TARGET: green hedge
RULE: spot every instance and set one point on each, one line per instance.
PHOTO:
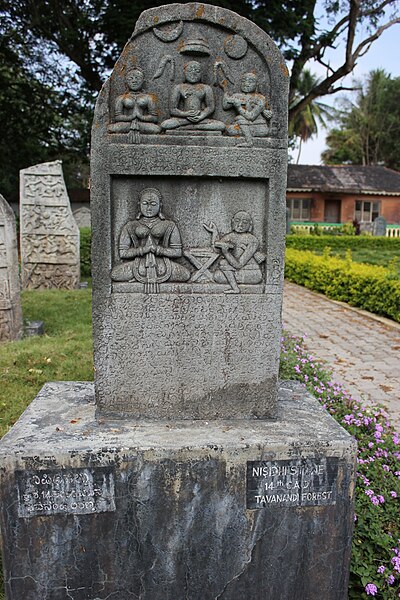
(318, 242)
(372, 288)
(86, 255)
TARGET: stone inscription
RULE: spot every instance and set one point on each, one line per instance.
(297, 482)
(72, 491)
(49, 233)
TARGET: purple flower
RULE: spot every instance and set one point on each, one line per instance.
(381, 499)
(396, 563)
(386, 468)
(381, 569)
(374, 500)
(371, 589)
(393, 494)
(390, 579)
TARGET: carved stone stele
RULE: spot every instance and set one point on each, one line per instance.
(49, 234)
(10, 302)
(189, 153)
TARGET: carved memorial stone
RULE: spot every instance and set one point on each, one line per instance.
(185, 471)
(49, 233)
(379, 226)
(10, 302)
(82, 217)
(188, 216)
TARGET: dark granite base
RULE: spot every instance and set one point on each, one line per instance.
(94, 510)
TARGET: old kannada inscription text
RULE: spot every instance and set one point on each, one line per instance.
(72, 491)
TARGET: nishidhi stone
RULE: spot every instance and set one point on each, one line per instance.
(49, 233)
(10, 302)
(189, 154)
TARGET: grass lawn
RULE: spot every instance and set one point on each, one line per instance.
(63, 353)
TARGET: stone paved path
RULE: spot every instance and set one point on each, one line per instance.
(363, 350)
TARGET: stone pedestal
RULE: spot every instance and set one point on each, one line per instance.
(93, 510)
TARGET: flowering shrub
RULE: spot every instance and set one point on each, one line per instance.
(374, 288)
(375, 564)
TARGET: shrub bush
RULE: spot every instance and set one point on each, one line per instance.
(336, 242)
(375, 560)
(85, 248)
(372, 288)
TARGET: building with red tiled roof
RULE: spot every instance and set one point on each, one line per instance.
(340, 194)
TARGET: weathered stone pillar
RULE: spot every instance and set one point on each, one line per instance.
(49, 233)
(187, 298)
(10, 301)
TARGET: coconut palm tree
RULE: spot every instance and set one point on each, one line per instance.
(305, 123)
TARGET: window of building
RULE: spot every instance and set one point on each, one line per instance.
(299, 208)
(367, 211)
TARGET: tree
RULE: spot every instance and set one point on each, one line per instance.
(38, 123)
(305, 123)
(369, 127)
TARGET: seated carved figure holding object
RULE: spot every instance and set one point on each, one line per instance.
(149, 246)
(241, 258)
(251, 109)
(192, 102)
(136, 110)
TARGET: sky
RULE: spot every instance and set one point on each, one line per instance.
(382, 54)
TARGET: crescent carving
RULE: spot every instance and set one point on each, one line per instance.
(169, 35)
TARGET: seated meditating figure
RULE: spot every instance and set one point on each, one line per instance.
(149, 246)
(136, 110)
(251, 109)
(192, 103)
(241, 258)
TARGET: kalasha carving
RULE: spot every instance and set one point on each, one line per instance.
(136, 110)
(149, 246)
(192, 103)
(251, 108)
(240, 256)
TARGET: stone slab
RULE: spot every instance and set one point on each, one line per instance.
(186, 301)
(10, 286)
(49, 233)
(174, 499)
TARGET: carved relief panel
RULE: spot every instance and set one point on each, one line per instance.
(188, 235)
(186, 78)
(49, 234)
